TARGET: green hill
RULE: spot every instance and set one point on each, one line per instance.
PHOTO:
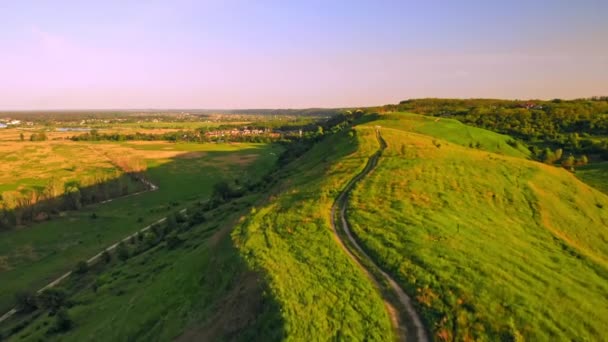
(491, 246)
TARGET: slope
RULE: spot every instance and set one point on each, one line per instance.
(490, 246)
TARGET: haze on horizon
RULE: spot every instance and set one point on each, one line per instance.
(279, 54)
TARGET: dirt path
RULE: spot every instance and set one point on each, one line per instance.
(406, 321)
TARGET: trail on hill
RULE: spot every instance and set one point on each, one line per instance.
(407, 322)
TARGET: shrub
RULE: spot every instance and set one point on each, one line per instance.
(106, 257)
(26, 301)
(53, 299)
(63, 322)
(81, 267)
(122, 251)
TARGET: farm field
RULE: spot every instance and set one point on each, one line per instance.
(184, 172)
(490, 246)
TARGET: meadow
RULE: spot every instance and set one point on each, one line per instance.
(491, 246)
(185, 173)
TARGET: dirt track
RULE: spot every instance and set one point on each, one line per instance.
(407, 323)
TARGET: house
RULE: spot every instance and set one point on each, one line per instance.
(2, 125)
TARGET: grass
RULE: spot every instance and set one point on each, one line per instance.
(33, 256)
(491, 246)
(207, 293)
(323, 295)
(595, 174)
(456, 132)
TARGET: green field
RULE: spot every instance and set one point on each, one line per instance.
(492, 247)
(185, 173)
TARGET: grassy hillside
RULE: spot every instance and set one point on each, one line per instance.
(321, 292)
(491, 246)
(198, 289)
(456, 132)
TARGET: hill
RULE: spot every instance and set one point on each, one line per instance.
(491, 246)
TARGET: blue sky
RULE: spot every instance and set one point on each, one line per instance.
(245, 54)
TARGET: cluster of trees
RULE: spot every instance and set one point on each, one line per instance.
(549, 156)
(197, 135)
(39, 203)
(577, 126)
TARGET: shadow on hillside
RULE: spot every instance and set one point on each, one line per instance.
(248, 310)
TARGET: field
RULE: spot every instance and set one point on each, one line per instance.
(185, 173)
(491, 246)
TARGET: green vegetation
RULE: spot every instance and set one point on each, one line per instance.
(490, 246)
(199, 286)
(595, 175)
(184, 173)
(489, 243)
(579, 127)
(322, 293)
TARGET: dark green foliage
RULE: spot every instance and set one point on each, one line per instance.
(122, 251)
(53, 299)
(106, 257)
(63, 322)
(26, 301)
(81, 267)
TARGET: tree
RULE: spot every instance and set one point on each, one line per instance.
(106, 257)
(558, 154)
(583, 160)
(26, 301)
(53, 299)
(548, 156)
(63, 321)
(122, 251)
(222, 191)
(568, 163)
(82, 267)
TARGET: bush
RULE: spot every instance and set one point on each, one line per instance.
(106, 257)
(122, 251)
(53, 299)
(82, 267)
(26, 301)
(63, 322)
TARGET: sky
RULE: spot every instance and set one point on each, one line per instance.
(293, 54)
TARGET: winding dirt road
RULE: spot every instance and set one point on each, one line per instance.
(406, 322)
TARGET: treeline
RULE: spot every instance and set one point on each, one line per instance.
(178, 136)
(41, 203)
(579, 127)
(285, 130)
